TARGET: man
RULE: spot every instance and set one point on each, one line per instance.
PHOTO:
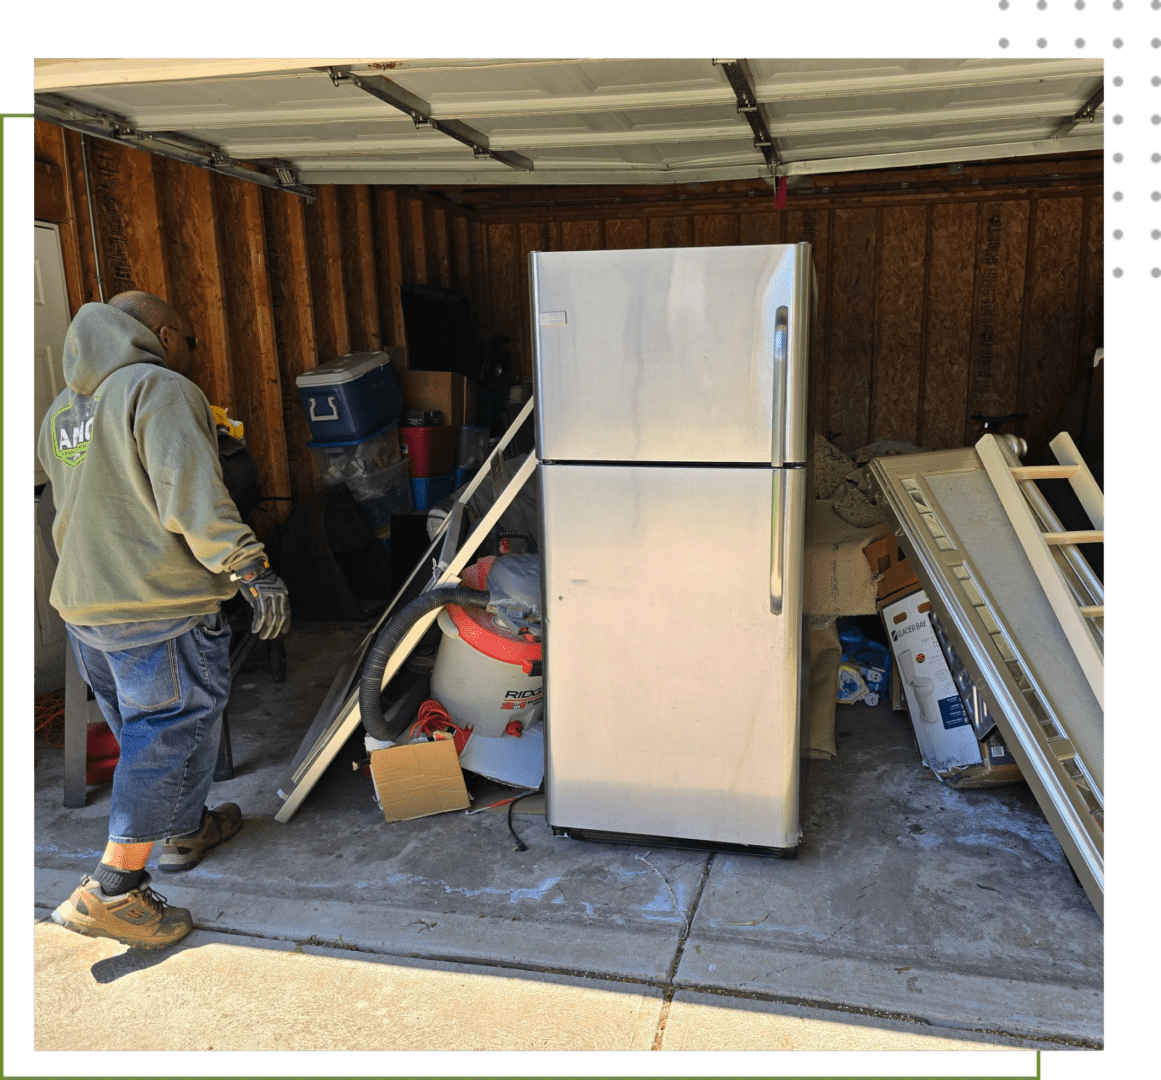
(150, 544)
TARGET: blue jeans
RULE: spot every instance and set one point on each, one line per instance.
(164, 703)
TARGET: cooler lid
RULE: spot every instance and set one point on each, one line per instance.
(343, 369)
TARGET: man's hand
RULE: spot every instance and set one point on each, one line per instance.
(267, 594)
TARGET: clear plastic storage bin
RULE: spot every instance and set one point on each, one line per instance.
(340, 462)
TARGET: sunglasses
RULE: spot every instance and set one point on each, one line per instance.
(190, 340)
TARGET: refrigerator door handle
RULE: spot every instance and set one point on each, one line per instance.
(778, 542)
(788, 511)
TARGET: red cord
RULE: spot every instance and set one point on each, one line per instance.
(434, 717)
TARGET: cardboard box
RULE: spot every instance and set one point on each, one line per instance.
(890, 566)
(452, 394)
(947, 742)
(938, 717)
(997, 766)
(418, 779)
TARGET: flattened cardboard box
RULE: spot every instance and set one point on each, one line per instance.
(947, 741)
(418, 779)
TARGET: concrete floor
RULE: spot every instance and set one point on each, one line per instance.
(916, 917)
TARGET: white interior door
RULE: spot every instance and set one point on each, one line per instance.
(51, 323)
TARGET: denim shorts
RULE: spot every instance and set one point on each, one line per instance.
(164, 703)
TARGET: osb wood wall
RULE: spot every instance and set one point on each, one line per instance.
(940, 294)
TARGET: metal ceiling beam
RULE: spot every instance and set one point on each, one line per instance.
(742, 83)
(420, 112)
(171, 144)
(56, 75)
(1086, 113)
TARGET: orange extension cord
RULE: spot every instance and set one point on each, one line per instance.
(50, 718)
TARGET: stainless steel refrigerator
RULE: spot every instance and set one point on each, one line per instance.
(672, 428)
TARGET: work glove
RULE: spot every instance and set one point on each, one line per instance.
(266, 593)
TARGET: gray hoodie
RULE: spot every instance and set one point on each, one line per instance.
(145, 528)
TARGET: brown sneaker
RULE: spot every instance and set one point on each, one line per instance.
(185, 852)
(139, 917)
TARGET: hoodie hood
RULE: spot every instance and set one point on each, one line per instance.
(102, 339)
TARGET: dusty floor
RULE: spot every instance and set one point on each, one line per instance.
(913, 911)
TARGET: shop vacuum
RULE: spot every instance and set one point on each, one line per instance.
(487, 673)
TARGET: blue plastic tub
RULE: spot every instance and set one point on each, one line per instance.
(351, 397)
(427, 491)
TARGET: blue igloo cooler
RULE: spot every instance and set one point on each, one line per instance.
(351, 397)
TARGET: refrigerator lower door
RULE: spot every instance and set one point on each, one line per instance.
(673, 693)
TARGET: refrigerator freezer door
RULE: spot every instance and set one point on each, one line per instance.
(671, 354)
(672, 690)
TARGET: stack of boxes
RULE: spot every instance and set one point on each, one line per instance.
(353, 406)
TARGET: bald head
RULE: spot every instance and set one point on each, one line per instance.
(147, 309)
(172, 328)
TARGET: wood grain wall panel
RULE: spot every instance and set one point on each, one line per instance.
(896, 374)
(481, 292)
(328, 294)
(128, 227)
(1050, 317)
(1091, 302)
(813, 227)
(670, 232)
(388, 264)
(1001, 255)
(253, 343)
(852, 322)
(948, 335)
(289, 271)
(509, 304)
(540, 236)
(461, 257)
(581, 236)
(715, 230)
(415, 235)
(189, 231)
(360, 284)
(626, 233)
(762, 228)
(441, 248)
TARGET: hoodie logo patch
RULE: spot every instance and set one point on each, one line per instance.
(72, 428)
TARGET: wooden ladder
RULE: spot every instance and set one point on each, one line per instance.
(1027, 510)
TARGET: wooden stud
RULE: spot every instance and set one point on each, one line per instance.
(763, 228)
(196, 288)
(389, 264)
(898, 328)
(441, 248)
(999, 311)
(852, 297)
(948, 335)
(1048, 362)
(328, 295)
(359, 279)
(461, 256)
(481, 292)
(258, 400)
(417, 235)
(509, 302)
(293, 309)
